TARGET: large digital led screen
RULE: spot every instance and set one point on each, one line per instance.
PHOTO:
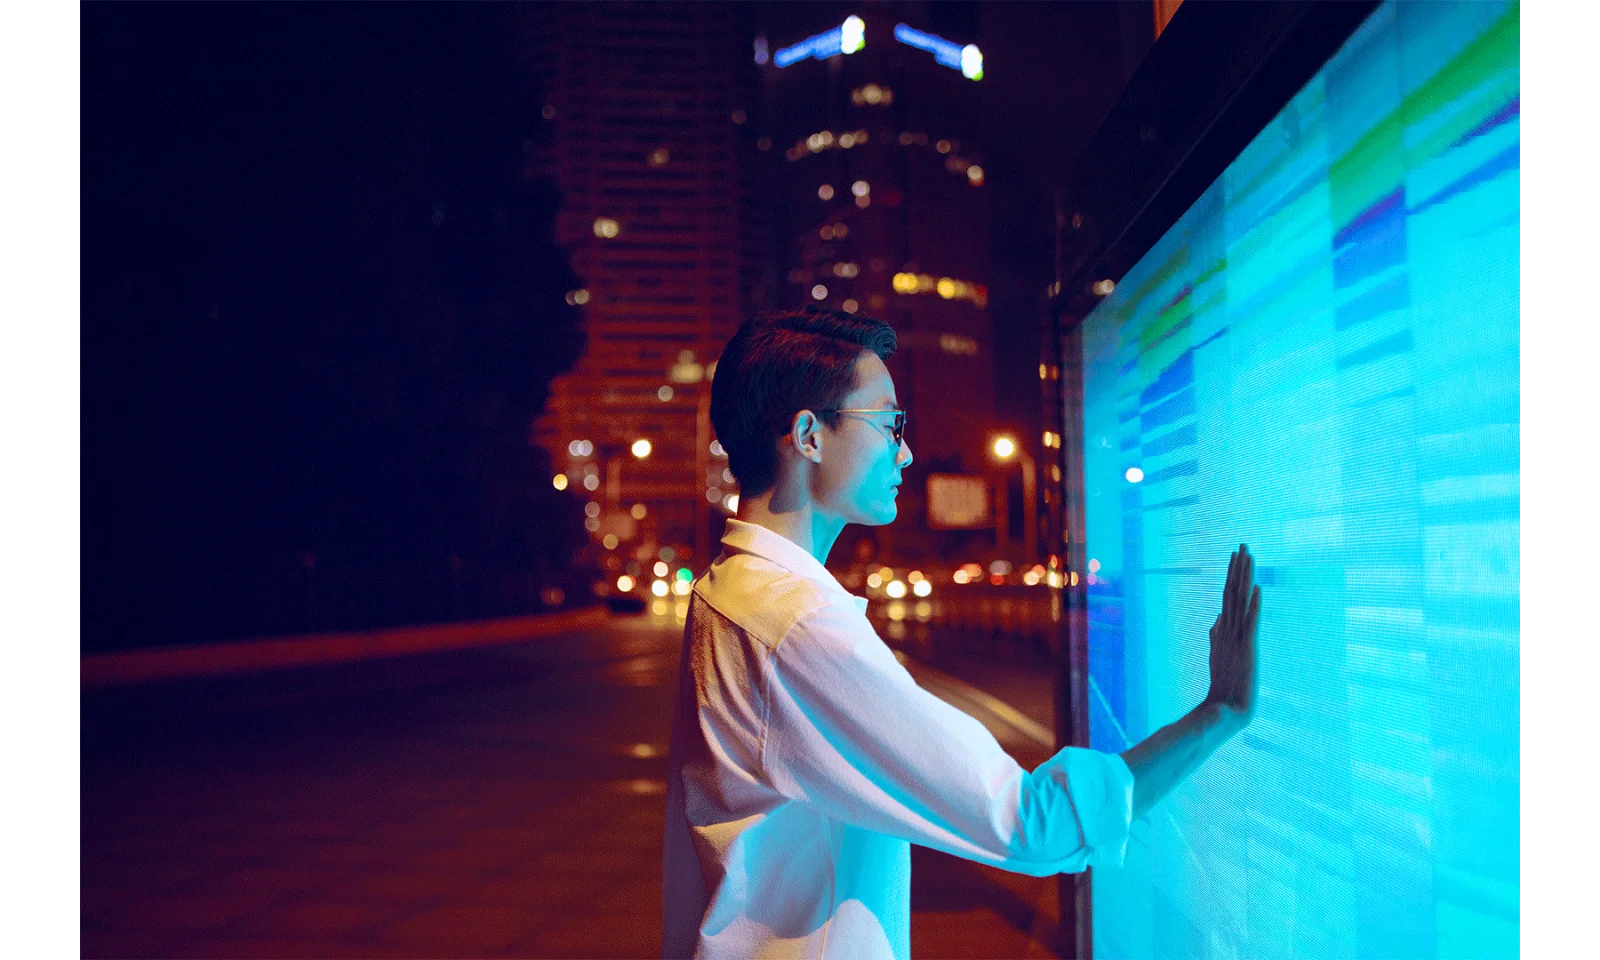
(1320, 358)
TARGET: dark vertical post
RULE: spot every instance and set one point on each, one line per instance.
(1072, 678)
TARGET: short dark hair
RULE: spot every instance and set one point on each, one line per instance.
(778, 364)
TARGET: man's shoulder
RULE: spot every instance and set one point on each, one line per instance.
(762, 598)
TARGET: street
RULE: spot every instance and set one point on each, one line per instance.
(497, 801)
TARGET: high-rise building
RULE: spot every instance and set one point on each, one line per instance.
(649, 136)
(875, 123)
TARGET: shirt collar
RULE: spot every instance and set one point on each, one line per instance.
(755, 539)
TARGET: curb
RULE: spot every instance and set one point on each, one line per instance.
(250, 656)
(1023, 724)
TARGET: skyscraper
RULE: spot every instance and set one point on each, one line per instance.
(875, 123)
(648, 109)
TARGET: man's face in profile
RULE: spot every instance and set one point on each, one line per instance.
(859, 476)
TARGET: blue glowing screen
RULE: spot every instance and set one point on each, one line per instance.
(1320, 358)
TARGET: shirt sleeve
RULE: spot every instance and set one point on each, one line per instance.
(850, 733)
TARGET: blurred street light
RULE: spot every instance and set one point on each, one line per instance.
(1005, 448)
(641, 448)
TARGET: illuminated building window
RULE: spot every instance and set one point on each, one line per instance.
(872, 95)
(958, 345)
(909, 284)
(825, 140)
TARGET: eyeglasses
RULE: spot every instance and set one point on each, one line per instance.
(897, 426)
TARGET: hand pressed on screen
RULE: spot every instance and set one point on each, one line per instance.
(1234, 658)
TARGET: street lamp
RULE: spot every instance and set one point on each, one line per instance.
(688, 371)
(613, 465)
(1005, 449)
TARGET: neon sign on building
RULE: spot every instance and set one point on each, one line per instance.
(967, 59)
(848, 37)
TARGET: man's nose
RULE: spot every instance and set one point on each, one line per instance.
(903, 458)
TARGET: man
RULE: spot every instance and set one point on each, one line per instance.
(805, 760)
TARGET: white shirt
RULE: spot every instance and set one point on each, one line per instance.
(805, 761)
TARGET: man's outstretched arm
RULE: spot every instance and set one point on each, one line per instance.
(1161, 761)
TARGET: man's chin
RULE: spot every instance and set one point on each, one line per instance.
(878, 517)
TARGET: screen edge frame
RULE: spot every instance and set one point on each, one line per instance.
(1119, 197)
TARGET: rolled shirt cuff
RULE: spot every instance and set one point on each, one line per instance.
(1102, 795)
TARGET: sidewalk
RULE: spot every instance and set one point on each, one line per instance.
(275, 653)
(495, 801)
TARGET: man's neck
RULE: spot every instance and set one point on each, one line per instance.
(800, 524)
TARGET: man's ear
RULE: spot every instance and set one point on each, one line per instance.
(805, 435)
